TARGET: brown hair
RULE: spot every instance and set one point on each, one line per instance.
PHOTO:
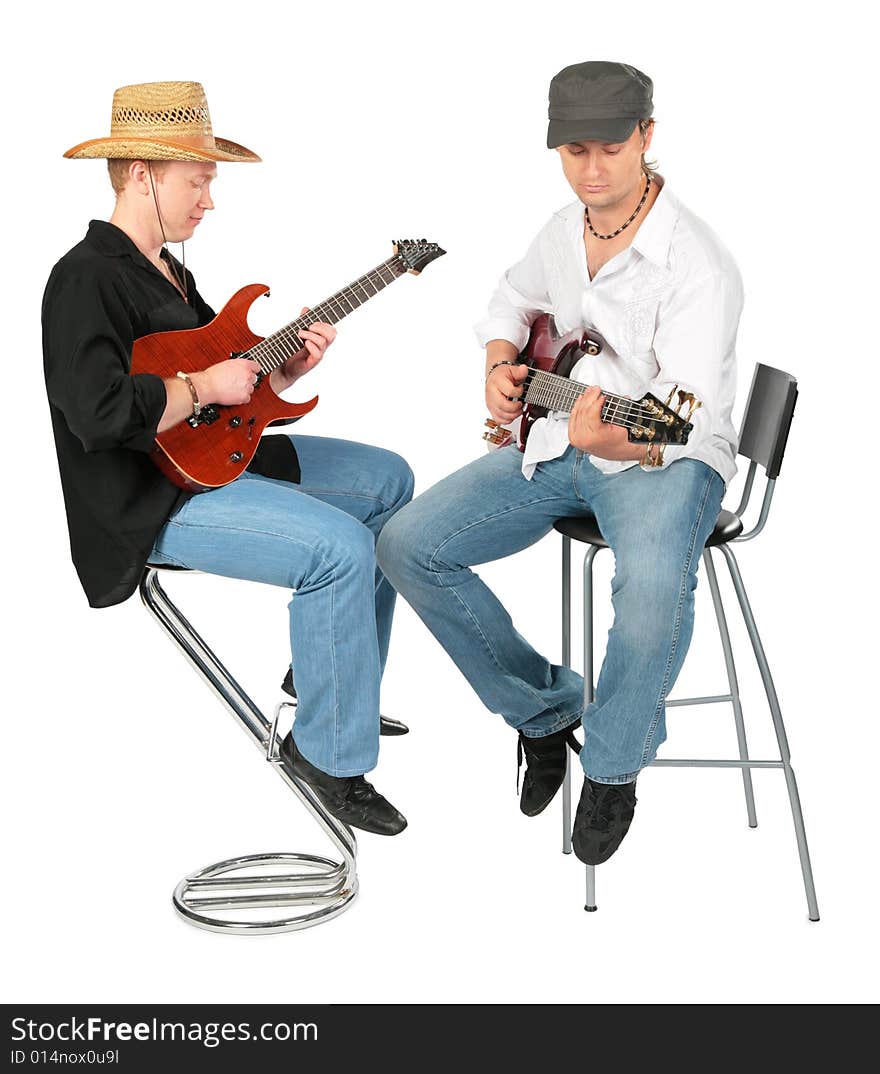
(649, 167)
(118, 169)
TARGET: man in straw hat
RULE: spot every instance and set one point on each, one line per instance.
(630, 263)
(306, 513)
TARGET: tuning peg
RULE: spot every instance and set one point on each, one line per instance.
(694, 403)
(497, 434)
(495, 437)
(669, 397)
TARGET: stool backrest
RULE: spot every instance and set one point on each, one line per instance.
(767, 418)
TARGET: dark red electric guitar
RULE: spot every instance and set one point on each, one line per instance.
(213, 449)
(551, 358)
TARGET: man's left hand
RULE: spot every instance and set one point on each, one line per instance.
(587, 431)
(317, 338)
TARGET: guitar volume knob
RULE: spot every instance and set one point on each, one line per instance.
(236, 456)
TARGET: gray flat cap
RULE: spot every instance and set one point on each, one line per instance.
(597, 101)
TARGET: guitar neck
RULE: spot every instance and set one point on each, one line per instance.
(273, 351)
(553, 392)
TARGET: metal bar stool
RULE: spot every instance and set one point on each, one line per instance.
(763, 437)
(238, 895)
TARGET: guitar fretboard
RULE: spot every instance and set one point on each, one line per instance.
(553, 392)
(273, 351)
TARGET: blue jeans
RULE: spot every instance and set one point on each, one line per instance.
(656, 524)
(317, 538)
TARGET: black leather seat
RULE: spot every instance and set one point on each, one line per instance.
(586, 529)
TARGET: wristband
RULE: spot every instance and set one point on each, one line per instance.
(197, 406)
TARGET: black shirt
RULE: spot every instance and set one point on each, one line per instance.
(102, 296)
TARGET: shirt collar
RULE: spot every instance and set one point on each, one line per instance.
(108, 239)
(654, 237)
(112, 241)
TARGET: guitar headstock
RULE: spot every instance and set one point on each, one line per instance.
(416, 253)
(658, 423)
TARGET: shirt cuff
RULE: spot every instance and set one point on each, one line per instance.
(150, 400)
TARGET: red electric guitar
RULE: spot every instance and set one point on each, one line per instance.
(213, 449)
(551, 358)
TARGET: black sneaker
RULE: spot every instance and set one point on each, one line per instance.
(387, 726)
(545, 767)
(350, 799)
(603, 817)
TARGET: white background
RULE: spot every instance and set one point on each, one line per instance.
(122, 773)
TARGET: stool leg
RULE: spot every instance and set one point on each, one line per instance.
(305, 880)
(202, 657)
(566, 659)
(590, 904)
(779, 727)
(734, 686)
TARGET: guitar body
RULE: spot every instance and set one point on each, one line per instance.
(552, 353)
(220, 445)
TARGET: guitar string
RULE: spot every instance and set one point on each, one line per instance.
(617, 409)
(286, 337)
(551, 388)
(395, 265)
(334, 305)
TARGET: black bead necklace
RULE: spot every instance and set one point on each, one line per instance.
(622, 227)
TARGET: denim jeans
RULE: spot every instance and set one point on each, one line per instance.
(317, 538)
(656, 524)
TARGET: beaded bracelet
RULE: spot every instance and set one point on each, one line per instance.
(197, 407)
(504, 361)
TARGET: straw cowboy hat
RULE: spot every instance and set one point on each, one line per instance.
(161, 121)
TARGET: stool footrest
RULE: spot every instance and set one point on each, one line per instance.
(685, 763)
(329, 887)
(717, 699)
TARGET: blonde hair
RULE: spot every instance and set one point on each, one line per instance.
(118, 169)
(649, 167)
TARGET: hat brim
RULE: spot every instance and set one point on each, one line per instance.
(609, 131)
(156, 149)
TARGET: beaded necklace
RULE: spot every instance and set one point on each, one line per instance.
(622, 227)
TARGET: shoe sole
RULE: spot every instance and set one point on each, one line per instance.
(541, 808)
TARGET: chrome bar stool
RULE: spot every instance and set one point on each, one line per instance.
(239, 895)
(763, 437)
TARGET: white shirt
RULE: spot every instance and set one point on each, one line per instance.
(667, 308)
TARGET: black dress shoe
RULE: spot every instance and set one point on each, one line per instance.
(545, 767)
(350, 799)
(603, 817)
(387, 726)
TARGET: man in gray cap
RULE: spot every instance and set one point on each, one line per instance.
(631, 265)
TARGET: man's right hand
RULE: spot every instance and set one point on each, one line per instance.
(503, 391)
(229, 383)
